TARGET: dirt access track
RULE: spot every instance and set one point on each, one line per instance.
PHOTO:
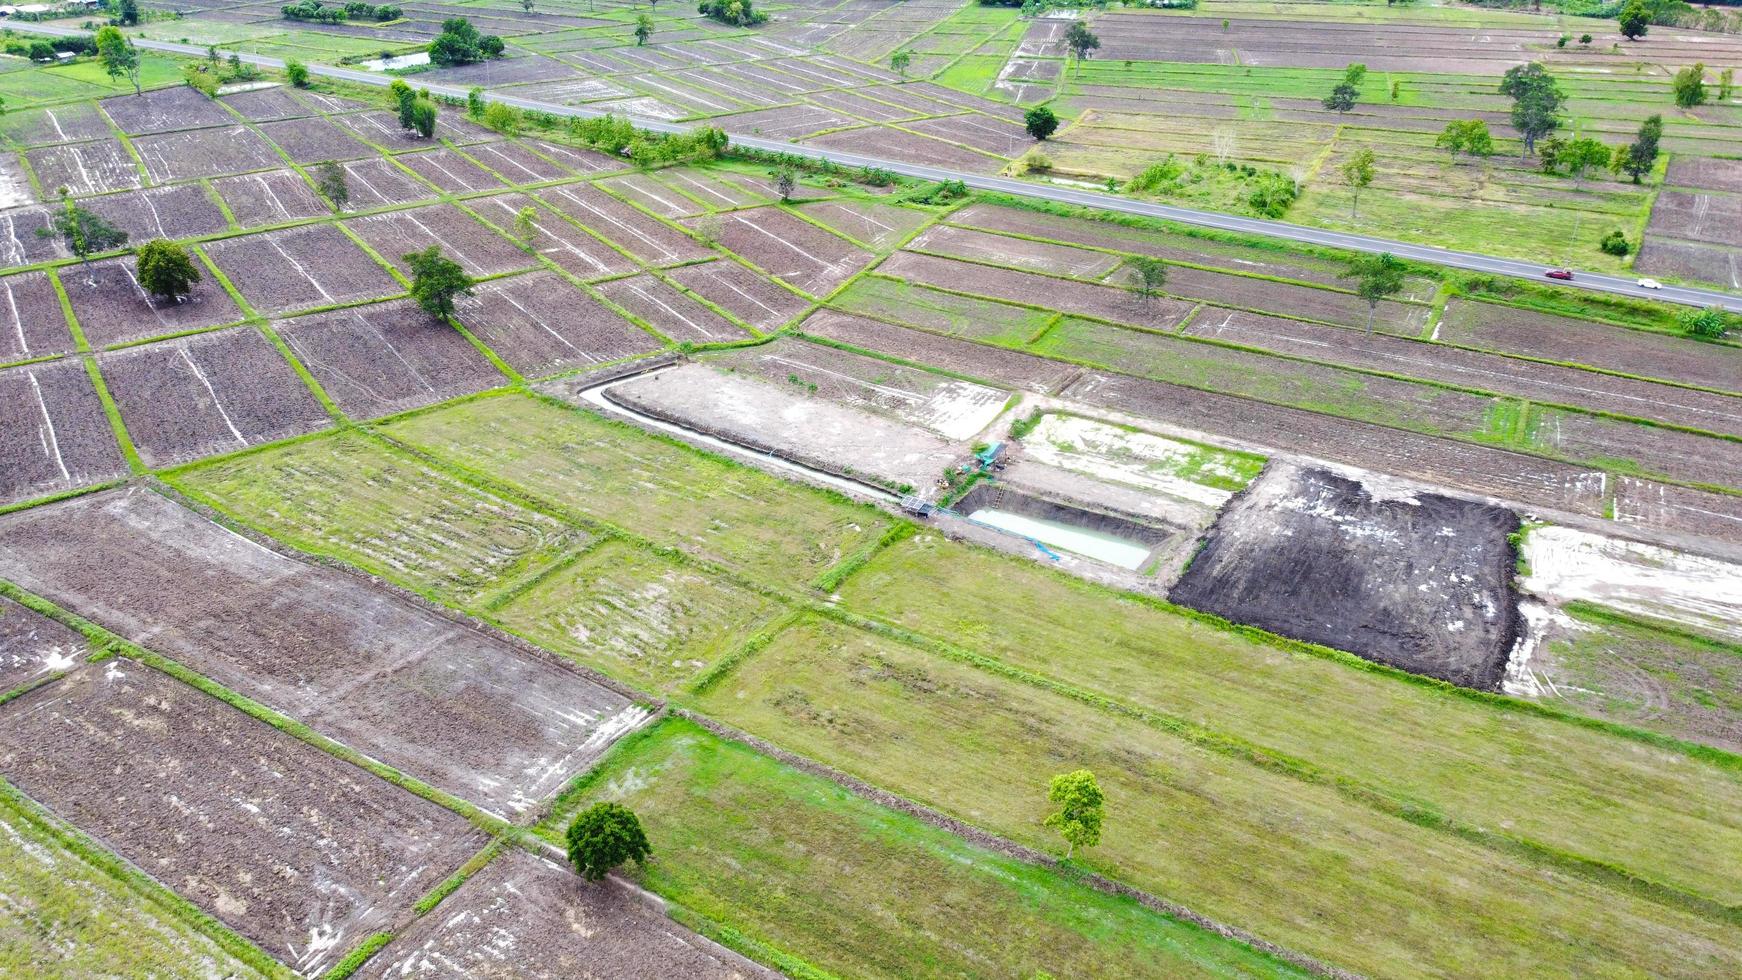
(524, 916)
(440, 701)
(289, 846)
(1414, 580)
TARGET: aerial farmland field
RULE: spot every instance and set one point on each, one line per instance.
(447, 532)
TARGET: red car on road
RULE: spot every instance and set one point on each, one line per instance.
(1559, 273)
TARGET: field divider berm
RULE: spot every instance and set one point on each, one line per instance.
(117, 425)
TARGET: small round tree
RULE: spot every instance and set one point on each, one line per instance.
(165, 271)
(1040, 122)
(1081, 808)
(603, 836)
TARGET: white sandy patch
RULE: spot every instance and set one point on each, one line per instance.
(1702, 592)
(1108, 452)
(960, 409)
(397, 61)
(1522, 678)
(14, 189)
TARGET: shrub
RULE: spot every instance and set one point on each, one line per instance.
(503, 118)
(617, 136)
(738, 13)
(1615, 243)
(1707, 324)
(1272, 195)
(1157, 175)
(423, 117)
(1037, 163)
(297, 72)
(199, 79)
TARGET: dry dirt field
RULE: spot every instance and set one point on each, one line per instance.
(451, 706)
(298, 851)
(526, 916)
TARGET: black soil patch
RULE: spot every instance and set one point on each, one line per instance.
(1420, 582)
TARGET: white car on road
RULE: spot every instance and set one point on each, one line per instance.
(1650, 284)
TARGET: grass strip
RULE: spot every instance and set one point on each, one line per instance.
(358, 956)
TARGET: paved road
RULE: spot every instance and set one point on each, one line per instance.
(1469, 261)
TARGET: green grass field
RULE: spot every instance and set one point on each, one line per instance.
(639, 617)
(765, 527)
(1298, 863)
(83, 79)
(350, 497)
(1649, 674)
(801, 864)
(1438, 750)
(1498, 206)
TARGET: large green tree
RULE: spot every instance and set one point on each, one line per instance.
(1341, 99)
(459, 43)
(1634, 20)
(119, 57)
(436, 281)
(603, 836)
(165, 271)
(1583, 154)
(1376, 277)
(1536, 102)
(1081, 40)
(1638, 157)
